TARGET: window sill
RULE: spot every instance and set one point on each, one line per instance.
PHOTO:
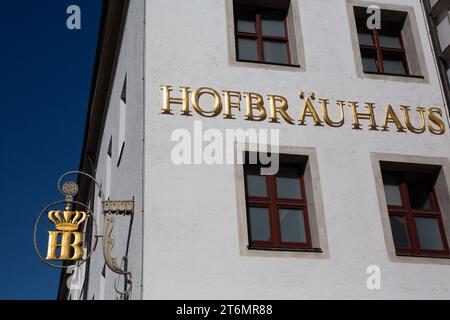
(395, 75)
(314, 250)
(422, 255)
(270, 63)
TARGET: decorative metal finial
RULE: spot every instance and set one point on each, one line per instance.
(70, 189)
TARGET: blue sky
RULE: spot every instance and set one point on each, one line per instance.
(44, 84)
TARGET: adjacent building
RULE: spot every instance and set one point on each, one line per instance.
(438, 12)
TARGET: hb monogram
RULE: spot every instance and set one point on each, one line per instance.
(67, 222)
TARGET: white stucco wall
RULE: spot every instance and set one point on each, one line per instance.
(125, 180)
(191, 247)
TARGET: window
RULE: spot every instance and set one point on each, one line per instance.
(391, 50)
(383, 50)
(414, 213)
(108, 174)
(261, 33)
(122, 121)
(277, 208)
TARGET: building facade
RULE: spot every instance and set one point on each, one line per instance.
(439, 22)
(353, 99)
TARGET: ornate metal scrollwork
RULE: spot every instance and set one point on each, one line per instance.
(109, 240)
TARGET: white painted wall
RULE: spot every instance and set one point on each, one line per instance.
(191, 248)
(122, 182)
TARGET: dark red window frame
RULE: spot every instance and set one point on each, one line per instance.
(258, 35)
(274, 204)
(409, 214)
(377, 51)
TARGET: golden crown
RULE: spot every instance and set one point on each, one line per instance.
(67, 220)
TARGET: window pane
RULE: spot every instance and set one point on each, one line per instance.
(246, 26)
(259, 224)
(292, 225)
(288, 183)
(369, 60)
(390, 41)
(365, 39)
(392, 190)
(256, 186)
(399, 232)
(275, 52)
(393, 65)
(429, 234)
(369, 65)
(419, 188)
(247, 49)
(273, 28)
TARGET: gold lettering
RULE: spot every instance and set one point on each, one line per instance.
(431, 118)
(66, 245)
(408, 122)
(363, 116)
(168, 100)
(254, 101)
(436, 120)
(217, 108)
(326, 117)
(281, 109)
(229, 104)
(391, 117)
(310, 111)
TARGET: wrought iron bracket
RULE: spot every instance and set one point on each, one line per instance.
(108, 245)
(110, 210)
